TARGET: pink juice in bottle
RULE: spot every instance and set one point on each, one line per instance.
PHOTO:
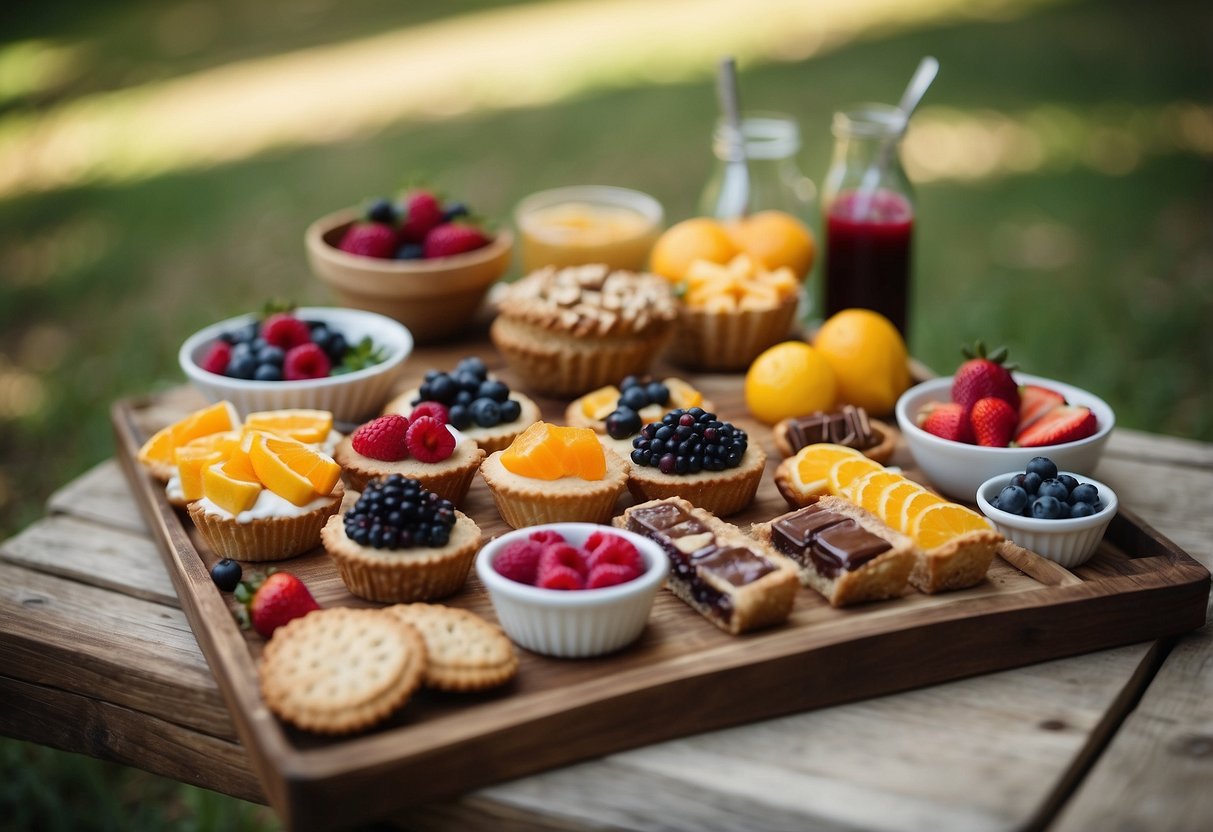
(868, 254)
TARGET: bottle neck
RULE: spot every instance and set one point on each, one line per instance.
(764, 137)
(866, 170)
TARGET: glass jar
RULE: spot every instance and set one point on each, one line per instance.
(771, 142)
(868, 218)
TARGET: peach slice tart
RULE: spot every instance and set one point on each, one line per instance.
(553, 474)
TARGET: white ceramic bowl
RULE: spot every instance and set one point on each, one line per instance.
(1069, 542)
(351, 397)
(958, 469)
(572, 623)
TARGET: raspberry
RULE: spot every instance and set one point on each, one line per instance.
(370, 239)
(605, 548)
(286, 331)
(561, 555)
(383, 438)
(429, 440)
(217, 357)
(560, 577)
(519, 561)
(305, 361)
(609, 574)
(547, 536)
(422, 212)
(432, 409)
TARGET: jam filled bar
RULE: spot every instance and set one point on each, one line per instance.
(730, 579)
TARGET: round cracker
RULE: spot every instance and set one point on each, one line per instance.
(464, 651)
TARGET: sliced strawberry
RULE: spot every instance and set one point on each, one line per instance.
(947, 420)
(993, 422)
(1067, 423)
(1034, 402)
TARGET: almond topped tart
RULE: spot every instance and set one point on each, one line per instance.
(553, 474)
(482, 408)
(423, 448)
(693, 455)
(401, 542)
(567, 331)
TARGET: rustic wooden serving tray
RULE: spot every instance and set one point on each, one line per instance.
(684, 675)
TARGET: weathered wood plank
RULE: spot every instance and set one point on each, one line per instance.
(101, 555)
(107, 646)
(1159, 450)
(80, 723)
(100, 494)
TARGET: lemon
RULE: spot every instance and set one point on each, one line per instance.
(868, 357)
(789, 379)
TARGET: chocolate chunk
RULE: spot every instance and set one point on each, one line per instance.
(849, 426)
(655, 518)
(794, 532)
(735, 564)
(831, 541)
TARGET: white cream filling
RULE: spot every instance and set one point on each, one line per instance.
(269, 505)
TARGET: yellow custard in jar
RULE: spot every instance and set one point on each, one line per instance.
(575, 226)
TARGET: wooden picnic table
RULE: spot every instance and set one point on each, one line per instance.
(97, 657)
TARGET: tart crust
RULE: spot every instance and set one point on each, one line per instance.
(881, 452)
(523, 501)
(265, 538)
(959, 563)
(496, 438)
(724, 341)
(402, 575)
(450, 479)
(720, 492)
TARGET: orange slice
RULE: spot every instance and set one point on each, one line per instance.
(220, 416)
(225, 442)
(291, 469)
(943, 522)
(228, 493)
(914, 505)
(682, 395)
(583, 456)
(600, 403)
(892, 498)
(845, 471)
(310, 426)
(191, 461)
(533, 454)
(238, 465)
(812, 463)
(866, 490)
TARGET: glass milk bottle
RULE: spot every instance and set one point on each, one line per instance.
(869, 220)
(771, 143)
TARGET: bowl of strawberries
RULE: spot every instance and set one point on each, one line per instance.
(988, 418)
(423, 260)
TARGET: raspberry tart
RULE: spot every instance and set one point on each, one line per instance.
(482, 408)
(422, 448)
(693, 455)
(401, 543)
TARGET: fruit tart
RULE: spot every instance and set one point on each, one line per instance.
(566, 331)
(401, 542)
(158, 454)
(637, 400)
(423, 448)
(553, 474)
(482, 408)
(849, 426)
(693, 455)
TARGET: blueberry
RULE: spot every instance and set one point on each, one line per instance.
(465, 397)
(659, 394)
(267, 372)
(622, 423)
(337, 346)
(628, 381)
(1042, 465)
(243, 367)
(381, 210)
(226, 574)
(245, 333)
(442, 390)
(1031, 482)
(466, 380)
(258, 344)
(454, 210)
(1054, 488)
(271, 355)
(1046, 508)
(634, 397)
(492, 389)
(472, 365)
(1085, 493)
(409, 251)
(430, 375)
(486, 412)
(510, 410)
(1069, 482)
(1012, 499)
(1082, 510)
(460, 417)
(322, 336)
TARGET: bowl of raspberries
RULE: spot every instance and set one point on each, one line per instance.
(345, 361)
(419, 258)
(572, 590)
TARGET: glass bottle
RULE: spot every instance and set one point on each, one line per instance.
(868, 218)
(771, 142)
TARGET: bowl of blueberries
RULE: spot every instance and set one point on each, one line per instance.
(1057, 514)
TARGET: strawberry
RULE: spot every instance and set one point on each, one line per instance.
(982, 376)
(453, 238)
(1036, 401)
(420, 213)
(993, 422)
(1066, 423)
(946, 420)
(272, 601)
(428, 440)
(216, 358)
(369, 239)
(520, 561)
(285, 330)
(306, 361)
(384, 438)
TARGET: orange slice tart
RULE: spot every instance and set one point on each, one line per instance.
(308, 426)
(805, 475)
(158, 453)
(552, 474)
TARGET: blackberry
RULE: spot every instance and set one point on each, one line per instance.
(396, 512)
(689, 441)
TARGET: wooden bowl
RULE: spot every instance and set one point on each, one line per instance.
(435, 298)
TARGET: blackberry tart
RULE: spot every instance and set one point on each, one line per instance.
(482, 408)
(736, 582)
(693, 455)
(401, 542)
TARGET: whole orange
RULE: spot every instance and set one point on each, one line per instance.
(788, 379)
(868, 357)
(775, 239)
(700, 238)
